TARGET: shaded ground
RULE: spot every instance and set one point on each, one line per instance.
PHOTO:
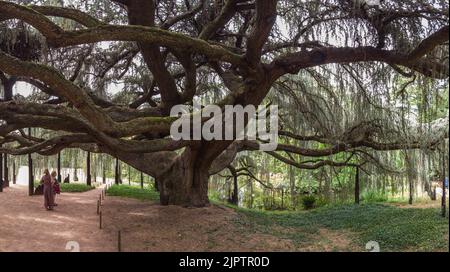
(26, 226)
(147, 226)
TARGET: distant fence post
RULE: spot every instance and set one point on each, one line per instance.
(119, 241)
(100, 218)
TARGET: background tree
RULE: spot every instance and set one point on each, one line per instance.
(335, 62)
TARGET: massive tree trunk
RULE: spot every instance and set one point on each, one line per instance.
(185, 183)
(184, 187)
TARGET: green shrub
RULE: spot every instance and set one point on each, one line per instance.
(308, 202)
(373, 197)
(321, 202)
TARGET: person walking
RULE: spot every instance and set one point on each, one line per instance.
(56, 187)
(46, 180)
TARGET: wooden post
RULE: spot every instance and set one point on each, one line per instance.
(142, 180)
(100, 218)
(119, 241)
(444, 200)
(88, 169)
(116, 174)
(59, 167)
(98, 206)
(30, 171)
(357, 200)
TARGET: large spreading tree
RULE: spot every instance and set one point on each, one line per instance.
(156, 54)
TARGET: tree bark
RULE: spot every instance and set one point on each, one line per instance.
(186, 182)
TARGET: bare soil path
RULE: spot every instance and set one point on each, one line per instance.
(26, 226)
(145, 227)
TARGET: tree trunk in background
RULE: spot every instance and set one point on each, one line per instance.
(357, 185)
(75, 167)
(14, 172)
(251, 194)
(88, 170)
(142, 180)
(103, 171)
(116, 172)
(410, 168)
(120, 174)
(235, 195)
(234, 198)
(59, 167)
(411, 192)
(129, 175)
(95, 168)
(5, 171)
(30, 171)
(8, 85)
(292, 186)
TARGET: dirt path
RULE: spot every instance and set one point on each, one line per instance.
(26, 226)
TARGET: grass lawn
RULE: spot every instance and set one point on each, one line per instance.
(71, 187)
(395, 229)
(75, 188)
(133, 192)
